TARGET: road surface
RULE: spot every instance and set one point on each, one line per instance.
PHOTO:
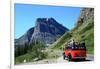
(90, 58)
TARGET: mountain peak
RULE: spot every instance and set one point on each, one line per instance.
(46, 30)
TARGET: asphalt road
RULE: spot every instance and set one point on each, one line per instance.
(90, 58)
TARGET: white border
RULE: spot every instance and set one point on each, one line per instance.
(76, 3)
(82, 3)
(4, 34)
(12, 36)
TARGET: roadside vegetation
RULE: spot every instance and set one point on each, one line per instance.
(86, 30)
(33, 52)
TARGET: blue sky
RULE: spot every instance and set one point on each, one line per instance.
(26, 15)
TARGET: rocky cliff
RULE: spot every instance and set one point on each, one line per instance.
(87, 15)
(46, 30)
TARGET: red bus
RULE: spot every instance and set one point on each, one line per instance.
(74, 52)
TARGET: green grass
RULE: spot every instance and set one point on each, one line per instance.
(62, 40)
(29, 57)
(36, 51)
(86, 29)
(21, 58)
(89, 39)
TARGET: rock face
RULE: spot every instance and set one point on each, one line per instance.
(87, 14)
(46, 30)
(25, 38)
